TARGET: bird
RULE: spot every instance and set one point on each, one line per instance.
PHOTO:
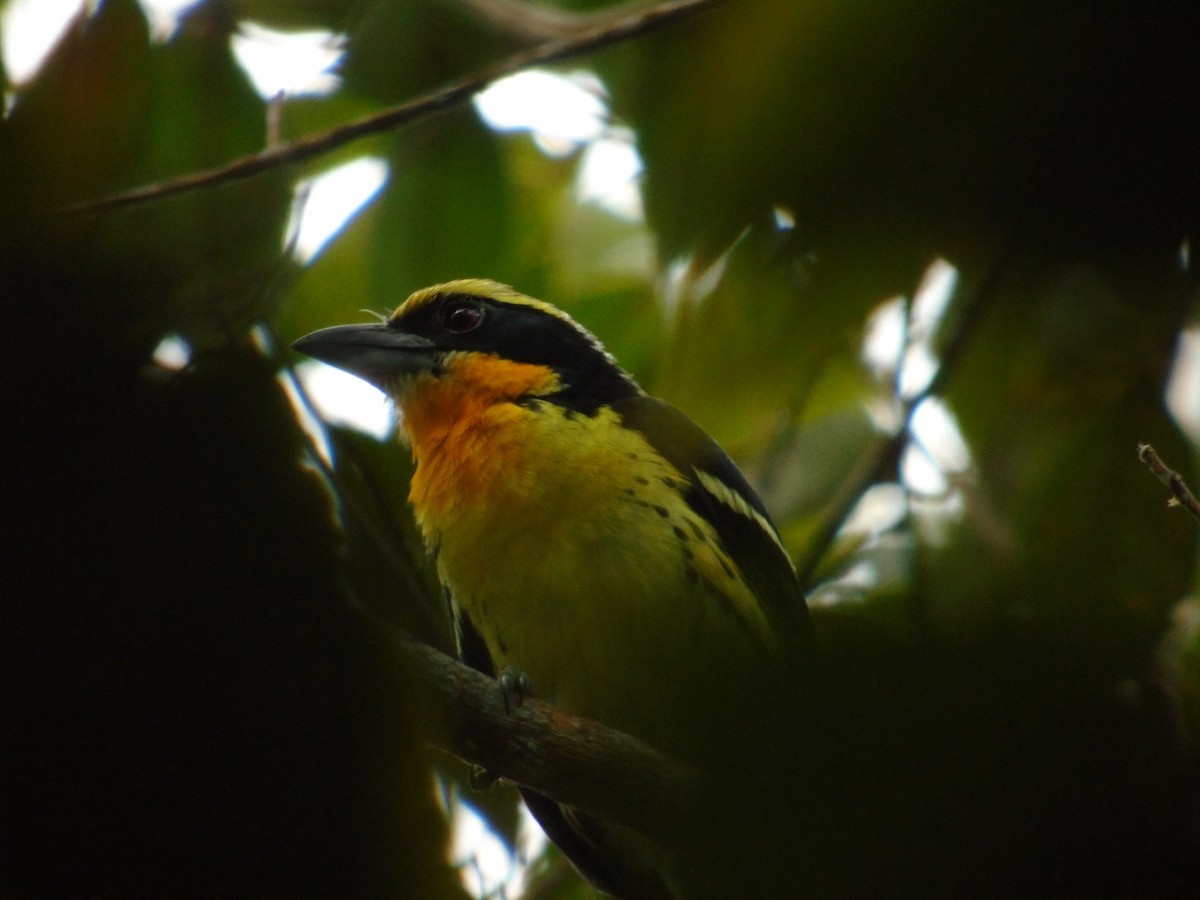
(587, 535)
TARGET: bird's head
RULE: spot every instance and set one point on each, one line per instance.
(478, 335)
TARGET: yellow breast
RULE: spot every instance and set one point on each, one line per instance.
(568, 542)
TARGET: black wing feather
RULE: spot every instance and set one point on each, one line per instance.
(765, 566)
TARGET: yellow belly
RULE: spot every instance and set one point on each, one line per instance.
(579, 562)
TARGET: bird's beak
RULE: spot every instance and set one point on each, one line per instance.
(374, 352)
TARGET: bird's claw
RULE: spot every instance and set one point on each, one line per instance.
(515, 686)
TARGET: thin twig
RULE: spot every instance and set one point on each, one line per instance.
(440, 100)
(1172, 479)
(530, 20)
(884, 453)
(872, 465)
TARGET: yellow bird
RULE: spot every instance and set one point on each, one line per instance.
(587, 535)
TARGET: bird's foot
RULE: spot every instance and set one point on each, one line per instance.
(515, 686)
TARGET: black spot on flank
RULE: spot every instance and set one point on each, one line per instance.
(570, 415)
(502, 644)
(662, 511)
(669, 481)
(692, 575)
(642, 480)
(630, 491)
(681, 534)
(633, 455)
(688, 555)
(724, 565)
(696, 530)
(730, 610)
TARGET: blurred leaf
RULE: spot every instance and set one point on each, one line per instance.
(767, 336)
(1180, 655)
(214, 254)
(399, 50)
(296, 15)
(73, 131)
(197, 709)
(899, 131)
(385, 564)
(799, 475)
(449, 166)
(1062, 380)
(207, 262)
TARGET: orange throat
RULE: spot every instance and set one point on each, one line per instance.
(467, 432)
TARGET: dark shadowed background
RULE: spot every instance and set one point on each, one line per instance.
(1008, 610)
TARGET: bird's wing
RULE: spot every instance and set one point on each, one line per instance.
(719, 492)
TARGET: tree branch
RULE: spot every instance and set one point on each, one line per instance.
(539, 746)
(440, 100)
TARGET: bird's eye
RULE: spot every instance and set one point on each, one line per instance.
(462, 317)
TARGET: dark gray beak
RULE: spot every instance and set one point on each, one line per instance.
(375, 353)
